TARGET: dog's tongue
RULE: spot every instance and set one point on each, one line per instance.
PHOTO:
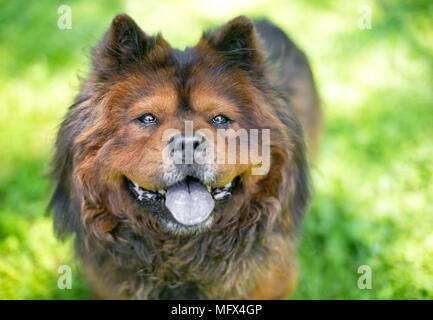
(189, 202)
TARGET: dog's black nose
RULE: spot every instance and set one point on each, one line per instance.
(183, 146)
(183, 141)
(194, 141)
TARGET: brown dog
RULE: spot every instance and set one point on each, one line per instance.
(148, 228)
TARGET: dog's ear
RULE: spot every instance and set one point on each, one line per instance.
(239, 43)
(123, 44)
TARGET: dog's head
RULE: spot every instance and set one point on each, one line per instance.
(150, 138)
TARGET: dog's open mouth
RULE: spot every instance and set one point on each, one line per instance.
(189, 201)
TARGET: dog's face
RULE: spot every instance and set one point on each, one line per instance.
(156, 121)
(172, 173)
(150, 146)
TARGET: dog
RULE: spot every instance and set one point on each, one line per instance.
(148, 227)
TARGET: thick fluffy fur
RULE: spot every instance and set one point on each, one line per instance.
(249, 251)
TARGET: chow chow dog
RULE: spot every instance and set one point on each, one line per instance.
(148, 227)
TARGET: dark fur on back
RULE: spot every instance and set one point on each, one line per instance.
(124, 253)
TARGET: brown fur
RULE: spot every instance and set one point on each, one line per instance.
(249, 252)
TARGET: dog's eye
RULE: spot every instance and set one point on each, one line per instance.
(148, 119)
(220, 120)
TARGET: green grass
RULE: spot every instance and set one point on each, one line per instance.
(372, 175)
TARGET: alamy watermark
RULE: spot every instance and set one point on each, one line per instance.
(365, 280)
(364, 20)
(203, 147)
(65, 279)
(65, 19)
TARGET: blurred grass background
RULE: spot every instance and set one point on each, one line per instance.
(373, 201)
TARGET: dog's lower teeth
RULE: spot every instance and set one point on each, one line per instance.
(219, 196)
